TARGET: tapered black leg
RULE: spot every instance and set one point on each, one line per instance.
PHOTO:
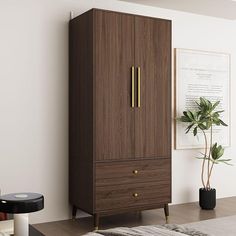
(166, 210)
(96, 221)
(74, 210)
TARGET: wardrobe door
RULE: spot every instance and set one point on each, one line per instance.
(153, 117)
(114, 57)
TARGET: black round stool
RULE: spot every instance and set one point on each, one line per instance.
(20, 204)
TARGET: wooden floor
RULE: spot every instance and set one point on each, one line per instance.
(179, 214)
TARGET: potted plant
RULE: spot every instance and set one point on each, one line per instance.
(202, 119)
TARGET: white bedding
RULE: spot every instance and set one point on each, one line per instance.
(225, 226)
(151, 230)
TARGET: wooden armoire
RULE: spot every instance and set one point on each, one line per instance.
(119, 113)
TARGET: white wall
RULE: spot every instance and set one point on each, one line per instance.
(34, 97)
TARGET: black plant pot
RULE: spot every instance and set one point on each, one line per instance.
(207, 198)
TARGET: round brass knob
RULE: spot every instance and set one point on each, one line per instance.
(135, 172)
(135, 195)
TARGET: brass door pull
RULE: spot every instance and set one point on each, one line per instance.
(135, 195)
(135, 172)
(132, 87)
(139, 86)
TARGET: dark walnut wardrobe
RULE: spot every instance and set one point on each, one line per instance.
(119, 113)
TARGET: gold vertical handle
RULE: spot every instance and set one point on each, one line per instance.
(133, 87)
(139, 86)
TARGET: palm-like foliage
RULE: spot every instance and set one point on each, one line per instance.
(203, 119)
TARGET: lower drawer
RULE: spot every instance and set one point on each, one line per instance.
(140, 194)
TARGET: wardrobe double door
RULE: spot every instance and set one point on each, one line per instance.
(132, 87)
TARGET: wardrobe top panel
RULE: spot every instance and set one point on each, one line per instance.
(96, 9)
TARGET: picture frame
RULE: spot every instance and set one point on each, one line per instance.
(198, 74)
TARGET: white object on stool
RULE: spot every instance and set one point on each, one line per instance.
(21, 224)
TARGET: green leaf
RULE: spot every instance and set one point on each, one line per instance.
(220, 111)
(214, 146)
(215, 105)
(220, 153)
(216, 115)
(197, 103)
(188, 128)
(208, 124)
(202, 126)
(195, 131)
(194, 115)
(190, 115)
(225, 160)
(209, 105)
(229, 164)
(184, 119)
(203, 101)
(217, 152)
(216, 121)
(222, 122)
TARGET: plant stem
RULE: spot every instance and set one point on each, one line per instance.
(208, 181)
(204, 160)
(209, 156)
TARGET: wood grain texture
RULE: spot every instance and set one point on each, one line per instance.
(81, 112)
(153, 118)
(108, 138)
(123, 196)
(121, 173)
(114, 57)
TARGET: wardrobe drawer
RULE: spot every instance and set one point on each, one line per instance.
(123, 196)
(127, 172)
